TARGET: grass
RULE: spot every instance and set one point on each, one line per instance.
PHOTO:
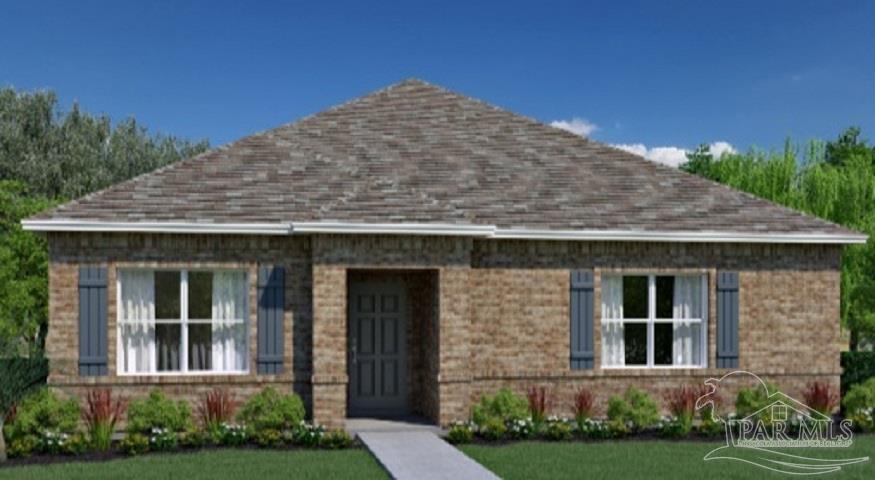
(214, 464)
(645, 459)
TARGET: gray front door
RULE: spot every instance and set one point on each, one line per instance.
(377, 349)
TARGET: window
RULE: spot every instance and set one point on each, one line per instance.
(653, 320)
(178, 321)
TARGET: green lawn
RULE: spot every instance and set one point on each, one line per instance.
(214, 464)
(645, 459)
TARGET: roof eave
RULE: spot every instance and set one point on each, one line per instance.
(429, 229)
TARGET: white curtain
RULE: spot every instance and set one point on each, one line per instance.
(613, 347)
(137, 320)
(229, 321)
(687, 305)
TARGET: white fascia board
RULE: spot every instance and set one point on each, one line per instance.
(674, 236)
(436, 229)
(445, 229)
(156, 227)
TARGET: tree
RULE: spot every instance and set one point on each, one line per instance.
(23, 273)
(46, 157)
(835, 181)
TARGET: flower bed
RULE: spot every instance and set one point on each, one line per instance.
(46, 429)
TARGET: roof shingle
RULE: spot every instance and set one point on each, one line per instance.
(417, 153)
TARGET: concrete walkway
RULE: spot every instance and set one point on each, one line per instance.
(421, 455)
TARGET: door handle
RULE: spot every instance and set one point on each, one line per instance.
(354, 351)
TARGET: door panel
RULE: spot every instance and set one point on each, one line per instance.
(377, 348)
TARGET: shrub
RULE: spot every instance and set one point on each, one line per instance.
(681, 402)
(522, 429)
(100, 416)
(582, 405)
(43, 411)
(23, 446)
(134, 444)
(676, 427)
(635, 409)
(857, 367)
(557, 430)
(215, 408)
(460, 432)
(20, 375)
(157, 411)
(859, 404)
(308, 435)
(53, 442)
(750, 400)
(592, 428)
(503, 406)
(193, 438)
(336, 439)
(539, 403)
(268, 438)
(493, 428)
(821, 397)
(270, 409)
(231, 434)
(710, 427)
(161, 439)
(617, 428)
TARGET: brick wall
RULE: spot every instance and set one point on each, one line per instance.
(498, 312)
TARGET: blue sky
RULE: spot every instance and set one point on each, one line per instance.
(671, 74)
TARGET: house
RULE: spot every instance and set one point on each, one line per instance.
(413, 249)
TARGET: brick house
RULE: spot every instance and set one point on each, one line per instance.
(413, 249)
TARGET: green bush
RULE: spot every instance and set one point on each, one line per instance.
(635, 409)
(270, 409)
(23, 446)
(676, 427)
(460, 432)
(232, 435)
(163, 439)
(557, 430)
(859, 404)
(41, 412)
(857, 367)
(750, 400)
(268, 438)
(505, 406)
(158, 412)
(710, 427)
(593, 428)
(134, 444)
(307, 435)
(336, 439)
(493, 428)
(193, 438)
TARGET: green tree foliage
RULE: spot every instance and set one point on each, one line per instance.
(835, 181)
(23, 273)
(67, 155)
(48, 156)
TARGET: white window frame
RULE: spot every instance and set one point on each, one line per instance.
(184, 322)
(651, 320)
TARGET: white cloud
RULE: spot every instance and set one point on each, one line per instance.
(669, 155)
(578, 126)
(672, 156)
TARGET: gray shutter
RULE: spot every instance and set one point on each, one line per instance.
(271, 296)
(582, 312)
(727, 319)
(92, 321)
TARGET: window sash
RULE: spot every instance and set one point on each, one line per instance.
(651, 321)
(184, 322)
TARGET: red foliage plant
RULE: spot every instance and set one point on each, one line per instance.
(821, 397)
(101, 410)
(681, 401)
(584, 402)
(216, 407)
(11, 414)
(539, 403)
